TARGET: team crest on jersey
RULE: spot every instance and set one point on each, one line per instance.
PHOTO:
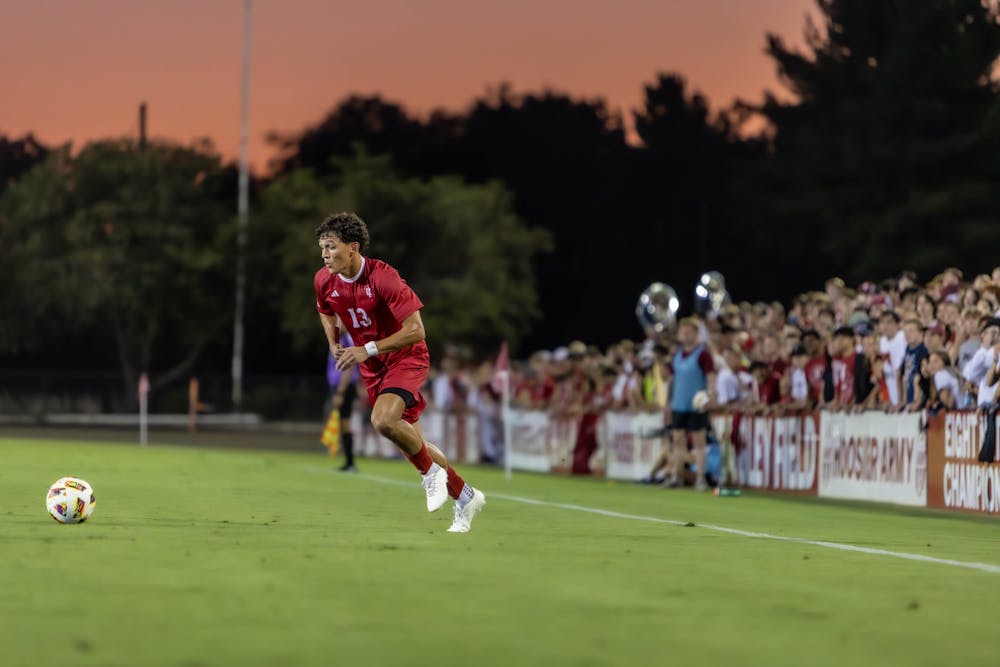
(368, 291)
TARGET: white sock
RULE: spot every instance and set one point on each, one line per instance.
(465, 496)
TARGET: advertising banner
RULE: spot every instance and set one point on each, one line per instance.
(560, 440)
(873, 456)
(956, 479)
(528, 434)
(633, 443)
(771, 452)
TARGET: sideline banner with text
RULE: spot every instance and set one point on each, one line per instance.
(541, 441)
(777, 453)
(634, 442)
(873, 456)
(956, 477)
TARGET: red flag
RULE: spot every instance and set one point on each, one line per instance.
(500, 367)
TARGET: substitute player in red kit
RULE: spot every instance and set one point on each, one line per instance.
(382, 315)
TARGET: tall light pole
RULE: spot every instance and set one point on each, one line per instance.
(242, 208)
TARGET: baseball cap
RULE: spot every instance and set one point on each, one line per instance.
(991, 322)
(843, 331)
(857, 317)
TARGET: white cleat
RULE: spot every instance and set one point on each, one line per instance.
(464, 515)
(435, 483)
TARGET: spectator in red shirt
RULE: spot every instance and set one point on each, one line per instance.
(761, 399)
(770, 354)
(816, 366)
(842, 369)
(537, 391)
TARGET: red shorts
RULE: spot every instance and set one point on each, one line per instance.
(402, 375)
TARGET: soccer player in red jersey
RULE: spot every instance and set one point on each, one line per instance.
(382, 315)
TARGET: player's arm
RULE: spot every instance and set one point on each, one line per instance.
(410, 332)
(331, 327)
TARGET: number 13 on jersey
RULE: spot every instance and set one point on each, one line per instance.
(359, 318)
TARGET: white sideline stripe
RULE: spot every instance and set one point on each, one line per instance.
(982, 567)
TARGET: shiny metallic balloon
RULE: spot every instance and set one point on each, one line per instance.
(657, 307)
(710, 294)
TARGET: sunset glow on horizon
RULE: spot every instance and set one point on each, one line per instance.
(78, 71)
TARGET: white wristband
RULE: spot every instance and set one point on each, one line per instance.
(371, 348)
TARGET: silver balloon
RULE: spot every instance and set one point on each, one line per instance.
(657, 307)
(710, 294)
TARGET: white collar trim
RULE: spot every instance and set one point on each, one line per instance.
(356, 275)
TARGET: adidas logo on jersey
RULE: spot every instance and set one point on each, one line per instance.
(334, 293)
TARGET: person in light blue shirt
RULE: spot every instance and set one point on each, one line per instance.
(692, 371)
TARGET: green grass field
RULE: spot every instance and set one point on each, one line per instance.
(227, 557)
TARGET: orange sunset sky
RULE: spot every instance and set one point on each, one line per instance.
(78, 70)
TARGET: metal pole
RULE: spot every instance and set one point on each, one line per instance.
(142, 126)
(144, 409)
(505, 416)
(242, 210)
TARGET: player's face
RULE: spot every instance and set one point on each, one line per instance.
(336, 254)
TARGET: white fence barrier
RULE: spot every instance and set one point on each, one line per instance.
(874, 456)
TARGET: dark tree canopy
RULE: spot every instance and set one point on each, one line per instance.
(118, 253)
(890, 147)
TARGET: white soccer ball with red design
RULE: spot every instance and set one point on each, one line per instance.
(700, 400)
(70, 500)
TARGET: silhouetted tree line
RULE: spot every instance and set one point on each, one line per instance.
(531, 216)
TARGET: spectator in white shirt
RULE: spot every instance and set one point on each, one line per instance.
(728, 387)
(945, 386)
(892, 347)
(982, 362)
(798, 384)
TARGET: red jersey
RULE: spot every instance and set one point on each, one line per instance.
(372, 305)
(776, 371)
(541, 390)
(842, 369)
(815, 369)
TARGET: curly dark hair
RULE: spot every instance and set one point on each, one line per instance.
(347, 227)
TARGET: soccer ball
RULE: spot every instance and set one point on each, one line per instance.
(70, 500)
(700, 400)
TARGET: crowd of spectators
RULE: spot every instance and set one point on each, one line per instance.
(894, 345)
